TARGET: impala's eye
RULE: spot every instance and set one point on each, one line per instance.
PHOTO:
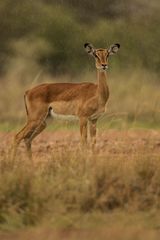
(96, 55)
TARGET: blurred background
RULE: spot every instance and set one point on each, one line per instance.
(42, 41)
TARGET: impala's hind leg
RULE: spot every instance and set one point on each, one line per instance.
(24, 133)
(18, 138)
(35, 125)
(28, 140)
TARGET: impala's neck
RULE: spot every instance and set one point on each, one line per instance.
(103, 90)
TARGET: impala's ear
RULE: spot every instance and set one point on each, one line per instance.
(113, 48)
(89, 48)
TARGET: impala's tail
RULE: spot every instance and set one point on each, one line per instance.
(25, 102)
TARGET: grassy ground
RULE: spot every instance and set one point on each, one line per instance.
(69, 194)
(116, 225)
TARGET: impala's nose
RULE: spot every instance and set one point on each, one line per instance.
(104, 66)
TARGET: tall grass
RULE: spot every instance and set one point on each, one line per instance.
(76, 183)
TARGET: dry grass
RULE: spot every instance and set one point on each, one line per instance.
(115, 191)
(114, 233)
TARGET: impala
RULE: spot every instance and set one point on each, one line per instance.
(86, 101)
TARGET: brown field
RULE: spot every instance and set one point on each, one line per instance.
(113, 193)
(109, 142)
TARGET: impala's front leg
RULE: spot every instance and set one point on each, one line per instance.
(92, 128)
(83, 130)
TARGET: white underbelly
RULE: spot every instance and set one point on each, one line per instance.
(64, 110)
(59, 116)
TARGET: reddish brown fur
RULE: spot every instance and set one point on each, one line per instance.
(87, 101)
(62, 91)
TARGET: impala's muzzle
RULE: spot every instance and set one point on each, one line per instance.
(104, 66)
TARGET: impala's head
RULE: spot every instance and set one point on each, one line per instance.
(101, 55)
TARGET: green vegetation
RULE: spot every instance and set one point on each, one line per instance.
(62, 27)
